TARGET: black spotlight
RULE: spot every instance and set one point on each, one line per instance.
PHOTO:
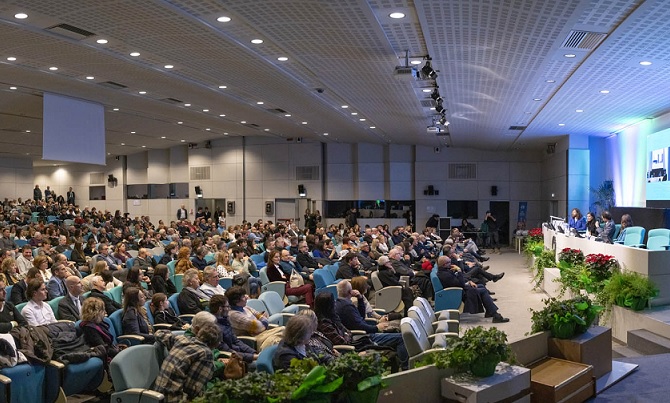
(439, 108)
(301, 191)
(443, 121)
(428, 71)
(436, 96)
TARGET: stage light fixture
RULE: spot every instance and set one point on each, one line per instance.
(439, 108)
(427, 71)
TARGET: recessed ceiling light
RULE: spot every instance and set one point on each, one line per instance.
(179, 123)
(260, 103)
(144, 146)
(225, 133)
(115, 109)
(222, 115)
(397, 15)
(11, 58)
(579, 110)
(20, 16)
(27, 131)
(415, 62)
(267, 130)
(142, 92)
(528, 113)
(561, 124)
(551, 81)
(362, 119)
(304, 123)
(244, 122)
(223, 18)
(183, 141)
(282, 58)
(168, 66)
(208, 129)
(325, 134)
(132, 132)
(645, 63)
(205, 110)
(102, 41)
(90, 77)
(12, 88)
(53, 68)
(537, 99)
(223, 87)
(604, 91)
(134, 54)
(162, 137)
(427, 90)
(373, 127)
(570, 55)
(187, 104)
(123, 144)
(345, 106)
(354, 113)
(256, 41)
(432, 109)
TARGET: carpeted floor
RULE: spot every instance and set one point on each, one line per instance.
(649, 383)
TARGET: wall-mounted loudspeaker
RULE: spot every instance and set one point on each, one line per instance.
(269, 207)
(494, 190)
(230, 207)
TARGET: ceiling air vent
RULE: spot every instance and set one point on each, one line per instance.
(70, 31)
(200, 173)
(584, 40)
(113, 85)
(427, 103)
(307, 173)
(463, 171)
(518, 127)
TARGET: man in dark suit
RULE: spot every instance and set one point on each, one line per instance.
(144, 261)
(18, 295)
(56, 284)
(70, 197)
(182, 213)
(10, 317)
(69, 308)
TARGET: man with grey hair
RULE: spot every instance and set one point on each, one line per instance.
(353, 318)
(191, 299)
(69, 308)
(210, 285)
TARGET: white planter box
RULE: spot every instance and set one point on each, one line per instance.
(509, 383)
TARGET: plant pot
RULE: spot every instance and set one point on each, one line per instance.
(485, 366)
(563, 330)
(620, 300)
(638, 303)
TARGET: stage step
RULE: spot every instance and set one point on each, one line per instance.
(621, 351)
(648, 343)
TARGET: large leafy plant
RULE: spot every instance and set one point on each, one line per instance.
(570, 257)
(628, 289)
(546, 259)
(579, 313)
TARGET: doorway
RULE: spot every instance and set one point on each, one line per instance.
(500, 210)
(285, 209)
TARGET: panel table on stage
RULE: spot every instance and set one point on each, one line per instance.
(653, 264)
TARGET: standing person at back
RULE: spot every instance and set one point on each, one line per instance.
(492, 233)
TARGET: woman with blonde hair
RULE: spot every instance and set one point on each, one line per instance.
(223, 266)
(98, 268)
(94, 328)
(42, 263)
(121, 253)
(10, 271)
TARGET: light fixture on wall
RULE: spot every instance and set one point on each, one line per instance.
(302, 192)
(111, 180)
(427, 71)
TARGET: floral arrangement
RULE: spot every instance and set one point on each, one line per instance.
(535, 234)
(570, 257)
(600, 266)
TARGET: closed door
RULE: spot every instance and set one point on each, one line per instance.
(285, 209)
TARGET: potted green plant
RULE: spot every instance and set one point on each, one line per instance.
(603, 197)
(478, 352)
(629, 289)
(565, 319)
(534, 243)
(546, 259)
(568, 257)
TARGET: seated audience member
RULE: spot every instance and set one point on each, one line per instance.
(89, 249)
(319, 347)
(18, 295)
(577, 220)
(191, 300)
(183, 260)
(362, 284)
(10, 317)
(162, 313)
(304, 259)
(144, 261)
(99, 284)
(220, 308)
(606, 234)
(25, 261)
(69, 308)
(299, 329)
(288, 264)
(98, 268)
(353, 318)
(389, 278)
(170, 253)
(210, 282)
(473, 296)
(104, 255)
(42, 263)
(244, 266)
(78, 256)
(349, 267)
(94, 328)
(199, 260)
(10, 271)
(324, 252)
(189, 364)
(161, 281)
(275, 273)
(246, 321)
(223, 265)
(37, 312)
(134, 320)
(56, 285)
(135, 279)
(396, 258)
(120, 252)
(329, 323)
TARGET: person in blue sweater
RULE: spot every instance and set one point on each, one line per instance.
(577, 221)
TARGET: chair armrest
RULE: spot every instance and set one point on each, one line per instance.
(448, 314)
(618, 242)
(358, 332)
(225, 354)
(432, 337)
(131, 339)
(344, 348)
(248, 340)
(187, 317)
(449, 325)
(142, 395)
(422, 355)
(379, 311)
(301, 307)
(639, 245)
(161, 326)
(5, 380)
(64, 321)
(57, 364)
